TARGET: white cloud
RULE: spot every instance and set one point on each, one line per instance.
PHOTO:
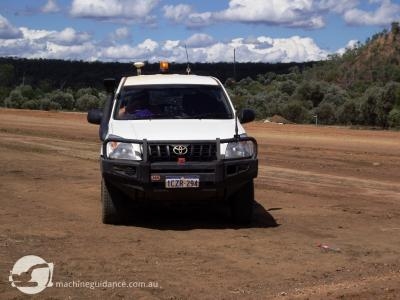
(120, 34)
(35, 34)
(51, 6)
(67, 36)
(337, 6)
(350, 45)
(183, 13)
(170, 45)
(306, 14)
(271, 50)
(7, 31)
(148, 45)
(297, 13)
(289, 13)
(386, 13)
(71, 44)
(119, 11)
(177, 13)
(143, 51)
(64, 44)
(68, 44)
(260, 49)
(86, 51)
(199, 40)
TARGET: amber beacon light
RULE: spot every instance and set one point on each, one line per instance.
(164, 66)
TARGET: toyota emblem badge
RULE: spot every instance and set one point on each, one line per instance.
(180, 149)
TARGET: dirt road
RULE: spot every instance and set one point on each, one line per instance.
(330, 186)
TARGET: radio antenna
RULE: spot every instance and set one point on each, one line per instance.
(236, 136)
(188, 70)
(234, 64)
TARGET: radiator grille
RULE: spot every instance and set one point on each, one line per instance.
(195, 152)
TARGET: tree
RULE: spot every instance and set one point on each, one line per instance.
(335, 95)
(4, 92)
(288, 87)
(6, 74)
(369, 105)
(309, 91)
(394, 118)
(326, 113)
(390, 95)
(395, 28)
(348, 113)
(296, 112)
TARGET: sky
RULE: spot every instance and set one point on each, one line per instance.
(153, 30)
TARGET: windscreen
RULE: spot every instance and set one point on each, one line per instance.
(172, 102)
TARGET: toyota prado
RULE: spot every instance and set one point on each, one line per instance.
(174, 136)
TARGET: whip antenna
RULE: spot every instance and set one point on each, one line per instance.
(188, 70)
(234, 64)
(236, 136)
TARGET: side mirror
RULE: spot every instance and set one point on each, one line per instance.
(246, 116)
(109, 85)
(95, 116)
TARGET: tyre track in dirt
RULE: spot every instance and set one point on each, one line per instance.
(49, 193)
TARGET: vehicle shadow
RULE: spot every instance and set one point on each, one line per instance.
(193, 215)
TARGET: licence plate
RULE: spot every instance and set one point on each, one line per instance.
(179, 182)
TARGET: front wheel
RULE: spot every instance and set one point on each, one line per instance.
(113, 207)
(242, 203)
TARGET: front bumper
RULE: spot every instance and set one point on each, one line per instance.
(219, 178)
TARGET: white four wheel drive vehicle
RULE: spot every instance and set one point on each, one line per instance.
(172, 136)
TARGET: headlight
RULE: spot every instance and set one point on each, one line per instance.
(239, 150)
(116, 150)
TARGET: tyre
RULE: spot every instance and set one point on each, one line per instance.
(113, 208)
(242, 203)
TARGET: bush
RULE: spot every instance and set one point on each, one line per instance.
(87, 102)
(30, 104)
(65, 100)
(86, 91)
(102, 99)
(15, 99)
(27, 91)
(44, 104)
(54, 106)
(394, 118)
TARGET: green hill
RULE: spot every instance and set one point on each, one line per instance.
(360, 87)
